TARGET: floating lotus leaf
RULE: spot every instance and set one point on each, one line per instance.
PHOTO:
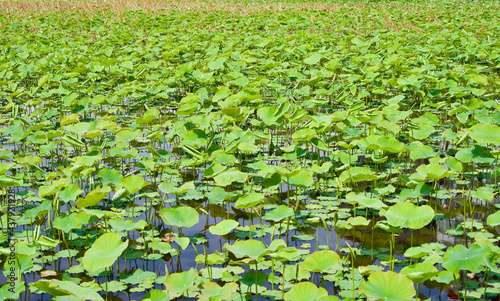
(215, 292)
(137, 277)
(389, 286)
(179, 216)
(408, 215)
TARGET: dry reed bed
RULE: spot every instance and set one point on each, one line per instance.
(241, 7)
(394, 17)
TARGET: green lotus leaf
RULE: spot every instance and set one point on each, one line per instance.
(180, 216)
(305, 291)
(445, 277)
(69, 288)
(279, 213)
(187, 109)
(66, 223)
(313, 59)
(300, 178)
(133, 183)
(249, 200)
(110, 176)
(7, 181)
(215, 292)
(321, 145)
(483, 194)
(409, 215)
(195, 138)
(423, 131)
(325, 261)
(30, 160)
(433, 171)
(422, 152)
(357, 174)
(248, 147)
(120, 224)
(363, 200)
(224, 227)
(324, 168)
(8, 292)
(460, 258)
(156, 295)
(390, 144)
(232, 175)
(70, 193)
(148, 116)
(183, 242)
(247, 248)
(4, 167)
(453, 164)
(213, 170)
(180, 282)
(420, 272)
(358, 221)
(267, 115)
(168, 188)
(137, 277)
(126, 135)
(388, 286)
(94, 197)
(218, 194)
(115, 286)
(161, 247)
(303, 135)
(47, 242)
(104, 252)
(476, 154)
(493, 219)
(222, 92)
(485, 133)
